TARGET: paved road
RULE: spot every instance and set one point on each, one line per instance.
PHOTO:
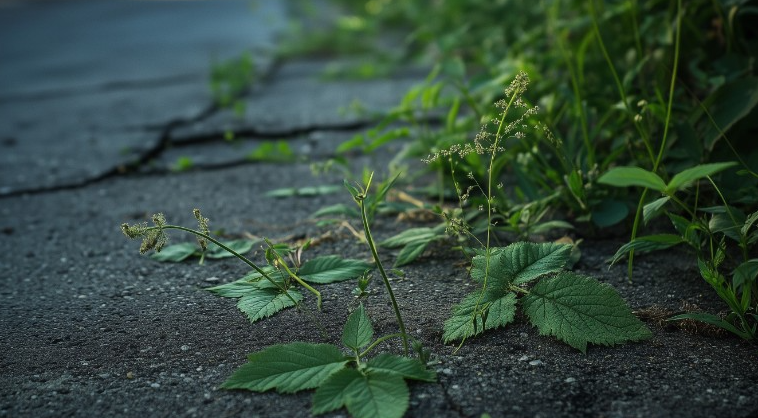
(89, 328)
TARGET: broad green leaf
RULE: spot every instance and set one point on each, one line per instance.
(653, 208)
(175, 253)
(632, 176)
(646, 244)
(241, 246)
(520, 262)
(728, 105)
(377, 395)
(287, 368)
(304, 191)
(683, 179)
(499, 307)
(358, 331)
(580, 310)
(331, 394)
(247, 284)
(609, 212)
(262, 303)
(408, 368)
(331, 269)
(338, 209)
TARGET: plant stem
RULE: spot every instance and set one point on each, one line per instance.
(383, 273)
(377, 342)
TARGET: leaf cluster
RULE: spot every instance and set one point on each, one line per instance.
(373, 388)
(574, 308)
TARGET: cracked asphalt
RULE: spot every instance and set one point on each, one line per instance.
(98, 101)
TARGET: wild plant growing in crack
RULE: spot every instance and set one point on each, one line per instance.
(367, 386)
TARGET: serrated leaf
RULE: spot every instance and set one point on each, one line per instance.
(287, 368)
(241, 246)
(408, 368)
(498, 305)
(632, 176)
(377, 395)
(520, 262)
(358, 331)
(331, 269)
(646, 244)
(247, 284)
(580, 310)
(331, 394)
(686, 177)
(175, 253)
(262, 303)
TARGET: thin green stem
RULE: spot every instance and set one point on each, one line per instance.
(234, 253)
(658, 159)
(671, 85)
(617, 80)
(377, 342)
(383, 273)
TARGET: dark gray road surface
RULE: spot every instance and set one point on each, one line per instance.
(89, 328)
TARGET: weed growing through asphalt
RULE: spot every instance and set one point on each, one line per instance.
(367, 386)
(265, 290)
(574, 308)
(710, 231)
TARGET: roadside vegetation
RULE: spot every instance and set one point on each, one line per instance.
(534, 120)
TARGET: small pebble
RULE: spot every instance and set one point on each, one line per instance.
(155, 385)
(523, 358)
(535, 363)
(570, 380)
(447, 371)
(185, 347)
(212, 279)
(129, 375)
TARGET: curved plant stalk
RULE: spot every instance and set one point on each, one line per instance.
(360, 196)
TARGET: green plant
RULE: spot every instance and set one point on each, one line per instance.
(259, 298)
(707, 230)
(367, 388)
(230, 79)
(574, 308)
(180, 252)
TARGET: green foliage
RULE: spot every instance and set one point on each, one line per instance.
(576, 309)
(180, 252)
(230, 79)
(367, 389)
(413, 242)
(304, 191)
(259, 298)
(272, 151)
(580, 310)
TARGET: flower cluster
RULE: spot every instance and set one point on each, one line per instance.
(153, 237)
(487, 142)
